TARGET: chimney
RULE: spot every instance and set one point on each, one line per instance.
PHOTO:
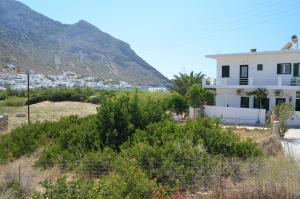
(253, 50)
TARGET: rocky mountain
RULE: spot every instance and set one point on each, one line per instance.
(32, 41)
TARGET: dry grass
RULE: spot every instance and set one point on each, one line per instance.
(278, 177)
(49, 111)
(255, 134)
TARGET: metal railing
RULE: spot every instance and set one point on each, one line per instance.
(252, 81)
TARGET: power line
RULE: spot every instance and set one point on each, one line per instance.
(215, 21)
(279, 12)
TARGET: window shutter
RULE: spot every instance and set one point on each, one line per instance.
(296, 70)
(225, 71)
(278, 68)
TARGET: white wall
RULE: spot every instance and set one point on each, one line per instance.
(228, 96)
(295, 121)
(269, 61)
(237, 115)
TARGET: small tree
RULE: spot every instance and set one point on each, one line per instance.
(260, 94)
(283, 111)
(177, 104)
(196, 97)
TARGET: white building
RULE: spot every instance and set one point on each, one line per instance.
(239, 73)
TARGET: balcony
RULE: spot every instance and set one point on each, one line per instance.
(274, 83)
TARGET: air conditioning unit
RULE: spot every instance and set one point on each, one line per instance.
(240, 92)
(278, 93)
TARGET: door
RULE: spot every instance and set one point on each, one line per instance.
(244, 75)
(297, 104)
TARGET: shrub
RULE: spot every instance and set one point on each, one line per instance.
(98, 163)
(13, 101)
(177, 104)
(127, 181)
(284, 112)
(74, 189)
(3, 95)
(26, 139)
(118, 118)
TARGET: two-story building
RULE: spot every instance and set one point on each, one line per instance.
(240, 73)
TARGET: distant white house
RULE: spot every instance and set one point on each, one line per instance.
(239, 73)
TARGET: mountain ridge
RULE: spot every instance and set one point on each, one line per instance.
(32, 41)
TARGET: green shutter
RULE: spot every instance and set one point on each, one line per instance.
(296, 70)
(278, 68)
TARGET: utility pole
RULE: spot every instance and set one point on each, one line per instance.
(28, 97)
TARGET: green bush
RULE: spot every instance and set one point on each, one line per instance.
(177, 104)
(97, 163)
(13, 101)
(70, 130)
(283, 111)
(118, 118)
(127, 181)
(3, 95)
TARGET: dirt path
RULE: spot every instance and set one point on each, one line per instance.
(24, 171)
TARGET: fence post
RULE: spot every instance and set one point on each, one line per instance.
(19, 174)
(275, 128)
(90, 167)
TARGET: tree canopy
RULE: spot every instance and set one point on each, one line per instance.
(182, 82)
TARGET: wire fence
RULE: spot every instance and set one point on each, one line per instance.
(226, 174)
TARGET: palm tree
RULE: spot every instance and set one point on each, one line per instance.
(182, 82)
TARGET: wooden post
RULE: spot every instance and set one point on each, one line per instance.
(275, 128)
(28, 97)
(19, 174)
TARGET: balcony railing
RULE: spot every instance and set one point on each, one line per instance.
(251, 82)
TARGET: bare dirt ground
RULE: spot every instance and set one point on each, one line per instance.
(24, 171)
(49, 111)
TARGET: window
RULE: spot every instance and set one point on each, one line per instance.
(297, 70)
(280, 100)
(225, 71)
(244, 102)
(297, 107)
(259, 67)
(284, 68)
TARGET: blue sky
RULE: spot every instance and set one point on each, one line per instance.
(175, 35)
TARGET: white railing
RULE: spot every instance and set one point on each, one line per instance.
(279, 81)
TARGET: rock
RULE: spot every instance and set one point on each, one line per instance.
(20, 115)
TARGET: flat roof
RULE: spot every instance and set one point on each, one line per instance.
(255, 53)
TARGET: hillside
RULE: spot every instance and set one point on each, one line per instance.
(32, 41)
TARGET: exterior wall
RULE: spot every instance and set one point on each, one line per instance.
(269, 61)
(237, 115)
(226, 88)
(229, 97)
(295, 121)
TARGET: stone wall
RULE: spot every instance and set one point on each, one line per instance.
(3, 123)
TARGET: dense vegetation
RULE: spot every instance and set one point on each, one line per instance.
(132, 144)
(16, 98)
